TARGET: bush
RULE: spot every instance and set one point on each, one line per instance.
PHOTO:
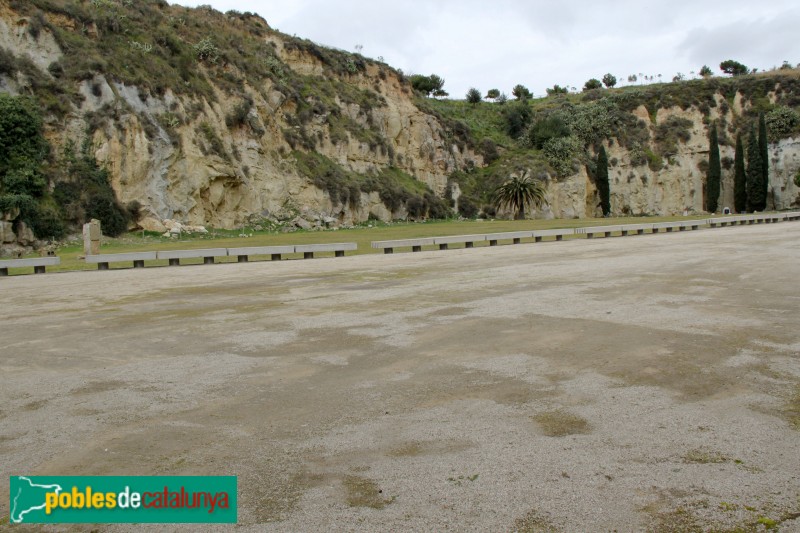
(552, 127)
(672, 131)
(592, 84)
(488, 149)
(561, 154)
(112, 216)
(517, 117)
(782, 122)
(467, 208)
(47, 223)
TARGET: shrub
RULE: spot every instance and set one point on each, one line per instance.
(551, 127)
(782, 122)
(106, 209)
(47, 222)
(672, 131)
(207, 51)
(561, 154)
(517, 117)
(467, 208)
(488, 149)
(592, 84)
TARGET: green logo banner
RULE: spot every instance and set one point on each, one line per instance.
(123, 499)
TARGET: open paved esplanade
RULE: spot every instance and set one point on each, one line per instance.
(583, 385)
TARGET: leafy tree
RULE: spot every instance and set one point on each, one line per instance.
(520, 92)
(740, 178)
(592, 84)
(518, 193)
(756, 200)
(734, 68)
(473, 96)
(705, 71)
(714, 172)
(502, 99)
(632, 78)
(428, 85)
(763, 148)
(603, 187)
(609, 80)
(557, 89)
(493, 94)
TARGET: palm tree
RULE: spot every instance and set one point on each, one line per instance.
(519, 192)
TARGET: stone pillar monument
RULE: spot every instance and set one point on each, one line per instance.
(91, 237)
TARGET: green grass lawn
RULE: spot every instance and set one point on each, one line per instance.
(363, 236)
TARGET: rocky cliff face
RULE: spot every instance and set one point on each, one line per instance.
(224, 158)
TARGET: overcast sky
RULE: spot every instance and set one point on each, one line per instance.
(497, 44)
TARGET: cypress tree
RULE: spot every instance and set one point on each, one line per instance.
(763, 148)
(714, 172)
(740, 178)
(755, 186)
(603, 187)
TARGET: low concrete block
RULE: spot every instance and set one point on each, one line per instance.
(457, 239)
(192, 254)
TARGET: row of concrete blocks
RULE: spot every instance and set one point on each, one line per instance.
(210, 254)
(470, 240)
(537, 235)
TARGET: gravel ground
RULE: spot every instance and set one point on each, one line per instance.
(647, 383)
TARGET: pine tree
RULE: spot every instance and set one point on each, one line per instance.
(714, 172)
(740, 178)
(763, 149)
(755, 188)
(603, 187)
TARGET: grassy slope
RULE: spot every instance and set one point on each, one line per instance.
(362, 236)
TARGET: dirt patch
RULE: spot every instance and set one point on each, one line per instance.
(364, 492)
(561, 423)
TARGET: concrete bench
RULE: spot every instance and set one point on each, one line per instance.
(468, 240)
(208, 255)
(138, 258)
(693, 224)
(308, 250)
(590, 232)
(638, 228)
(39, 264)
(514, 236)
(415, 244)
(559, 234)
(668, 226)
(275, 252)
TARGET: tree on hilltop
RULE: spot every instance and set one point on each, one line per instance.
(609, 80)
(593, 83)
(521, 92)
(705, 71)
(492, 94)
(473, 96)
(428, 85)
(734, 68)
